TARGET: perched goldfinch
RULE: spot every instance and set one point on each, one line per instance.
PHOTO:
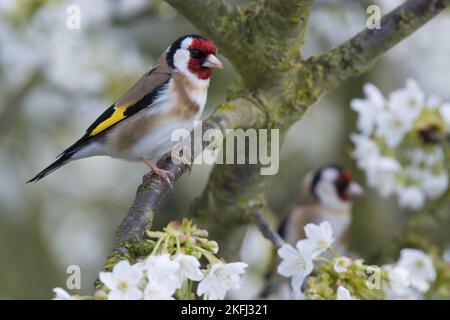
(138, 126)
(325, 195)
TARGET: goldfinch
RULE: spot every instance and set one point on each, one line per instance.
(325, 195)
(138, 126)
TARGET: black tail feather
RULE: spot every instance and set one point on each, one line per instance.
(62, 160)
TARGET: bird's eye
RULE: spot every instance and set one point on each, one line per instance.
(196, 54)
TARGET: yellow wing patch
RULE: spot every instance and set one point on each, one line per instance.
(117, 115)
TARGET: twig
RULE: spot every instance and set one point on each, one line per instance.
(267, 229)
(358, 55)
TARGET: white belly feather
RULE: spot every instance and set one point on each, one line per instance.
(158, 142)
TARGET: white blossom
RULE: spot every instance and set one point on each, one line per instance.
(320, 237)
(343, 294)
(296, 262)
(398, 284)
(427, 158)
(368, 109)
(392, 127)
(61, 294)
(381, 174)
(155, 290)
(411, 197)
(407, 102)
(435, 185)
(420, 268)
(189, 267)
(433, 102)
(221, 277)
(123, 281)
(366, 150)
(445, 112)
(341, 264)
(162, 270)
(413, 172)
(434, 157)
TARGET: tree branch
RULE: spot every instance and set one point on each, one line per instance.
(359, 54)
(289, 18)
(282, 23)
(267, 230)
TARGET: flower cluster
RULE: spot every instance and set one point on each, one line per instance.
(338, 277)
(411, 276)
(297, 263)
(171, 270)
(343, 278)
(402, 143)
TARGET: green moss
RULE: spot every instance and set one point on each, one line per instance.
(225, 107)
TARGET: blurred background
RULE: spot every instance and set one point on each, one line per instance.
(55, 81)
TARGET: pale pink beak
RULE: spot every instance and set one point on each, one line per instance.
(212, 62)
(355, 190)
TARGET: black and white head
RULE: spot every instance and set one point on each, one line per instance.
(194, 56)
(333, 187)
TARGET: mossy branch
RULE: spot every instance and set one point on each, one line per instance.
(289, 19)
(358, 55)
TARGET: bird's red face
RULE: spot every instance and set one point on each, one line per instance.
(203, 58)
(194, 56)
(342, 184)
(334, 186)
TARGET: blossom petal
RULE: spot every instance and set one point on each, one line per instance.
(288, 252)
(108, 279)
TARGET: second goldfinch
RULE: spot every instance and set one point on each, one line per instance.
(325, 195)
(138, 126)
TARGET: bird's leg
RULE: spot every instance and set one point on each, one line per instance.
(163, 174)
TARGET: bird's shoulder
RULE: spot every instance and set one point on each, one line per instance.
(158, 74)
